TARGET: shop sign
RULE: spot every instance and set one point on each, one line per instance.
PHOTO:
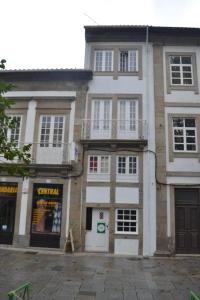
(101, 227)
(8, 189)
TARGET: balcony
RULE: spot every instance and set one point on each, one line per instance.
(50, 154)
(114, 130)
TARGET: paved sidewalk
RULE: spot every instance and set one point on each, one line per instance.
(88, 277)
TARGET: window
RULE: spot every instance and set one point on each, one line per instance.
(128, 61)
(14, 133)
(127, 119)
(181, 72)
(184, 134)
(101, 118)
(127, 165)
(51, 132)
(103, 61)
(99, 165)
(89, 218)
(126, 221)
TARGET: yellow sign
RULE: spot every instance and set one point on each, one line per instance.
(8, 189)
(47, 191)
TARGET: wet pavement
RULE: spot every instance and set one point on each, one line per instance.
(88, 277)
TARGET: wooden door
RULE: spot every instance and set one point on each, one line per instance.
(187, 221)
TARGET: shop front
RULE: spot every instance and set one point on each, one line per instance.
(46, 215)
(8, 198)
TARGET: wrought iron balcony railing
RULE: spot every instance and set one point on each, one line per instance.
(114, 129)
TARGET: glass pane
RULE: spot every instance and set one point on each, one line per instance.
(47, 208)
(191, 147)
(179, 147)
(187, 69)
(187, 81)
(190, 122)
(176, 81)
(175, 68)
(175, 59)
(186, 60)
(178, 122)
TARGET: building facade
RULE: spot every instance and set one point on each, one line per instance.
(115, 147)
(119, 182)
(177, 100)
(35, 211)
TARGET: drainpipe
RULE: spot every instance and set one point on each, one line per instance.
(150, 203)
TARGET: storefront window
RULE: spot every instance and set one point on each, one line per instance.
(47, 208)
(8, 196)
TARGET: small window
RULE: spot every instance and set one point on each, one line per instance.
(128, 61)
(99, 164)
(127, 165)
(184, 134)
(181, 70)
(103, 61)
(89, 218)
(126, 221)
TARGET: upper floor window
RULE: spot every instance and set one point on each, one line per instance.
(127, 165)
(181, 70)
(51, 131)
(127, 119)
(99, 164)
(126, 221)
(14, 133)
(184, 134)
(103, 61)
(128, 61)
(101, 118)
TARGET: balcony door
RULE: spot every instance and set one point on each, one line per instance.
(127, 119)
(101, 119)
(50, 147)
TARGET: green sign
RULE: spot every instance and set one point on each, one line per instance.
(101, 227)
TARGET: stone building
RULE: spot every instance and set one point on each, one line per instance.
(115, 147)
(35, 211)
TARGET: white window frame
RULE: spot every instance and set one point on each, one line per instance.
(13, 131)
(181, 66)
(184, 135)
(99, 175)
(101, 120)
(117, 221)
(130, 52)
(127, 176)
(103, 67)
(128, 125)
(51, 142)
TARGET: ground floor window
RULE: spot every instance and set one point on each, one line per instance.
(126, 221)
(47, 208)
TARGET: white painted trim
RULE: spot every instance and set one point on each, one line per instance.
(40, 94)
(183, 180)
(71, 122)
(68, 207)
(30, 122)
(168, 213)
(23, 208)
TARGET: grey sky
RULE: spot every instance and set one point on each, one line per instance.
(50, 34)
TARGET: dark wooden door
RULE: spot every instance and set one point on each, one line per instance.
(187, 221)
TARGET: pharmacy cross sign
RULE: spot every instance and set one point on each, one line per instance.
(101, 227)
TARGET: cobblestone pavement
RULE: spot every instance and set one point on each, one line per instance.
(88, 277)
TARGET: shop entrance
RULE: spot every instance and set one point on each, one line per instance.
(187, 221)
(97, 234)
(46, 215)
(8, 197)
